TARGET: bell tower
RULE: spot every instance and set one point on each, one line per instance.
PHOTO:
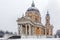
(47, 18)
(48, 26)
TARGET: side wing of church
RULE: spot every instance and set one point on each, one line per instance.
(31, 24)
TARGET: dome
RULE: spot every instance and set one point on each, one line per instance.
(33, 8)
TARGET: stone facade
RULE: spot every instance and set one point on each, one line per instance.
(31, 24)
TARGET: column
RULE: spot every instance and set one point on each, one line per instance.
(51, 32)
(29, 29)
(33, 30)
(45, 32)
(26, 29)
(21, 29)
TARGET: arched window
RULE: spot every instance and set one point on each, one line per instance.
(37, 27)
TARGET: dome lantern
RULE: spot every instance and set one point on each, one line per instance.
(33, 5)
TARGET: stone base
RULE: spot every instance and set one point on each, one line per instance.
(37, 36)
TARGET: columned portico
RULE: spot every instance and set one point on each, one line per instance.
(27, 29)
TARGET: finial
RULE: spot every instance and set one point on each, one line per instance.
(47, 12)
(33, 5)
(23, 15)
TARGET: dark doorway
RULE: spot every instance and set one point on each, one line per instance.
(27, 29)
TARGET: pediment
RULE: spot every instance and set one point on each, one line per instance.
(22, 19)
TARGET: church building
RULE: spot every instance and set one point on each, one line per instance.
(31, 25)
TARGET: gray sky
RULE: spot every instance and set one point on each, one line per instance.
(10, 10)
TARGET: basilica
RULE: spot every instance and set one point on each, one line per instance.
(31, 25)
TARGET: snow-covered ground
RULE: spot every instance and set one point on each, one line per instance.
(34, 39)
(29, 38)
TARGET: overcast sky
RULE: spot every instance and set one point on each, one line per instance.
(10, 10)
